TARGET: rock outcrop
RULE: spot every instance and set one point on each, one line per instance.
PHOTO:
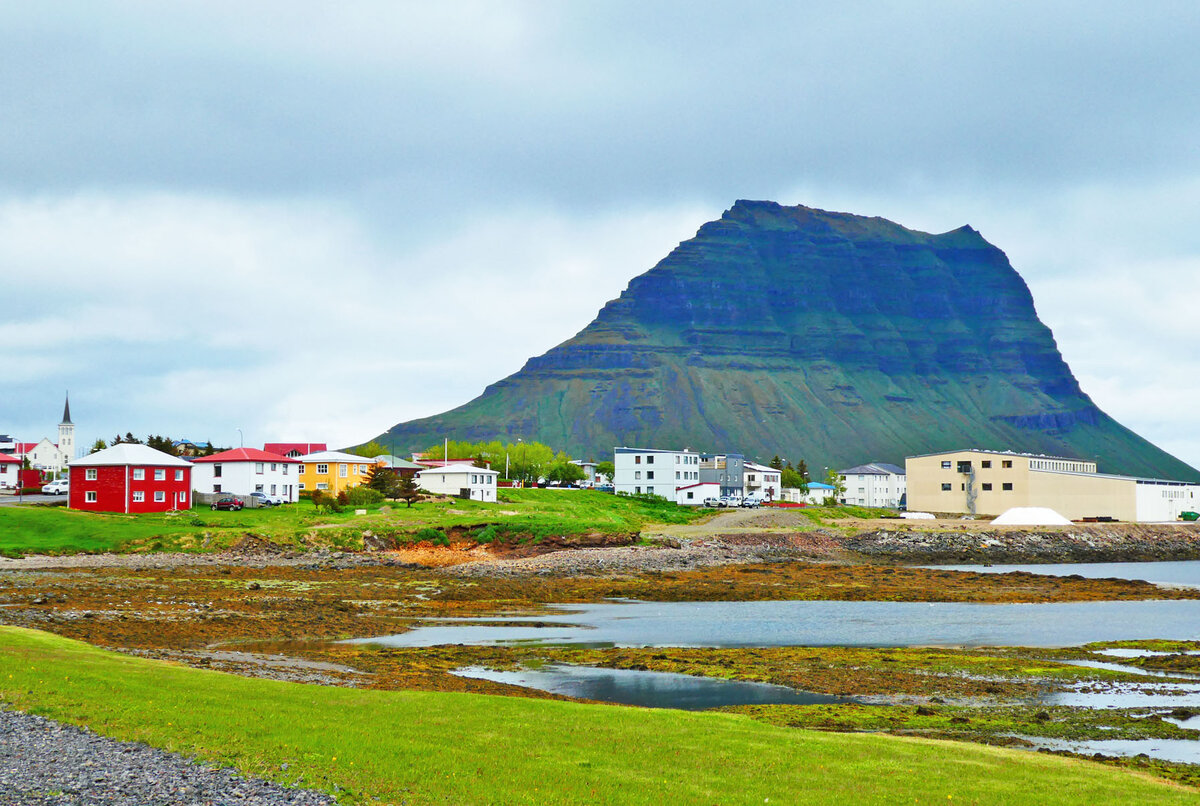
(805, 333)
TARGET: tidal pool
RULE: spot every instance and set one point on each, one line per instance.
(823, 623)
(1185, 573)
(649, 689)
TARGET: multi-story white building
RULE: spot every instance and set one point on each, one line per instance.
(649, 471)
(242, 471)
(874, 485)
(762, 481)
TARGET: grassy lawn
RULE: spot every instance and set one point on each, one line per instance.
(433, 747)
(522, 513)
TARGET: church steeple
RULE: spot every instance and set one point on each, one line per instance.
(66, 420)
(66, 436)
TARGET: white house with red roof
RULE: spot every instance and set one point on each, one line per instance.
(9, 471)
(692, 494)
(465, 481)
(294, 450)
(130, 477)
(243, 471)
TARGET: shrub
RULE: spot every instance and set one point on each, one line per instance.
(434, 536)
(487, 534)
(342, 498)
(323, 500)
(363, 495)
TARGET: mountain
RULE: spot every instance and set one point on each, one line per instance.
(805, 333)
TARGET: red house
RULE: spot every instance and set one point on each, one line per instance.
(294, 450)
(130, 478)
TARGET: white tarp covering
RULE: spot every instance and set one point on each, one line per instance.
(917, 516)
(1031, 516)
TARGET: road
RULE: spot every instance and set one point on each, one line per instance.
(13, 500)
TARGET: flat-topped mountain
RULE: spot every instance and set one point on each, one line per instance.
(805, 333)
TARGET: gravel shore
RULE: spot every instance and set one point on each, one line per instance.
(46, 763)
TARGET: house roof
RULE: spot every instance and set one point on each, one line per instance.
(336, 456)
(130, 453)
(699, 484)
(873, 469)
(4, 457)
(819, 485)
(282, 448)
(1000, 453)
(395, 462)
(624, 449)
(760, 468)
(245, 455)
(455, 469)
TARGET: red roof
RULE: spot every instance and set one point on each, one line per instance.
(305, 448)
(26, 447)
(4, 457)
(434, 463)
(245, 455)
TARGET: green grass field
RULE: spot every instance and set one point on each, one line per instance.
(426, 747)
(521, 513)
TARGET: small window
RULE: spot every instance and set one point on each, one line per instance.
(987, 487)
(258, 488)
(677, 462)
(272, 489)
(285, 470)
(300, 486)
(985, 463)
(160, 474)
(690, 496)
(216, 471)
(649, 474)
(90, 495)
(321, 485)
(258, 468)
(273, 466)
(650, 491)
(322, 470)
(160, 496)
(649, 460)
(677, 475)
(138, 496)
(637, 460)
(945, 465)
(1007, 463)
(1006, 486)
(945, 488)
(637, 490)
(139, 474)
(343, 471)
(183, 496)
(178, 475)
(216, 488)
(91, 476)
(637, 474)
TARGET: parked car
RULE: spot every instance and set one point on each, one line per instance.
(58, 487)
(729, 501)
(265, 500)
(604, 488)
(712, 501)
(753, 501)
(229, 502)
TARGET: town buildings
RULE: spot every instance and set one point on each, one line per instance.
(130, 478)
(462, 480)
(242, 471)
(726, 470)
(648, 471)
(44, 455)
(333, 471)
(877, 484)
(294, 450)
(981, 482)
(10, 471)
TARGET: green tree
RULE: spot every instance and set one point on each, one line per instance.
(788, 477)
(564, 472)
(802, 469)
(834, 480)
(159, 443)
(606, 469)
(384, 481)
(98, 445)
(371, 450)
(776, 462)
(407, 490)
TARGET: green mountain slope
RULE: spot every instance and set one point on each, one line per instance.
(805, 333)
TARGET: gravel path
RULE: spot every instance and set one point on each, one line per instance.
(46, 763)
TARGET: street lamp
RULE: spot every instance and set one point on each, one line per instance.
(241, 439)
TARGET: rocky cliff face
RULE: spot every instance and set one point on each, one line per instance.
(805, 333)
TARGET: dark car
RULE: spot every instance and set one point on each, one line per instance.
(228, 502)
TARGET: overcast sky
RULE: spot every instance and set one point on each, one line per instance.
(312, 221)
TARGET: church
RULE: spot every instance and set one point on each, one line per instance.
(49, 456)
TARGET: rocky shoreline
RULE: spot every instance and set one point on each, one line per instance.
(47, 763)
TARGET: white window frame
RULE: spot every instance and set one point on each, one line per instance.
(89, 497)
(322, 470)
(139, 474)
(343, 470)
(160, 474)
(139, 497)
(178, 475)
(90, 475)
(160, 496)
(258, 468)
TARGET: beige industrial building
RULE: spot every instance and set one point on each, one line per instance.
(991, 482)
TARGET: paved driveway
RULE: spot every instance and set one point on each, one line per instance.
(13, 500)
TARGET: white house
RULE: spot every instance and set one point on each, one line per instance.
(761, 480)
(648, 471)
(693, 495)
(465, 481)
(242, 471)
(874, 485)
(817, 493)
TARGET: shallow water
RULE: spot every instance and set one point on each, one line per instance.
(763, 624)
(649, 689)
(1185, 751)
(1186, 573)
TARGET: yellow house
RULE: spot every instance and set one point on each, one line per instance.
(333, 471)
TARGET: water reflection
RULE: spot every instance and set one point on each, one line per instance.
(649, 689)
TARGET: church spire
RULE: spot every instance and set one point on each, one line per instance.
(66, 420)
